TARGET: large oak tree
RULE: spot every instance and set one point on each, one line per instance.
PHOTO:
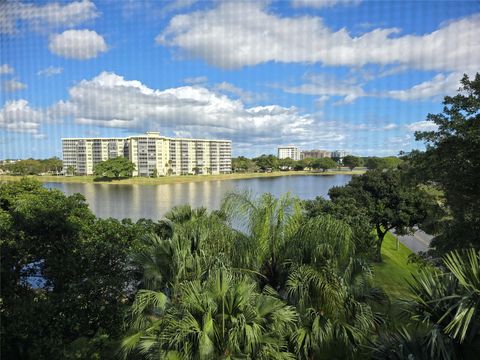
(387, 202)
(115, 168)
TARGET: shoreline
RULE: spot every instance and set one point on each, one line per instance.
(176, 179)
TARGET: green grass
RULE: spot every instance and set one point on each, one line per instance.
(179, 179)
(391, 274)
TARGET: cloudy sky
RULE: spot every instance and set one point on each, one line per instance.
(333, 74)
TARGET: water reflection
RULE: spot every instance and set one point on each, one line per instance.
(152, 201)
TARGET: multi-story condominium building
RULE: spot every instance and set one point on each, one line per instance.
(339, 154)
(290, 151)
(316, 154)
(151, 153)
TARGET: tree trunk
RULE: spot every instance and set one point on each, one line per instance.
(380, 236)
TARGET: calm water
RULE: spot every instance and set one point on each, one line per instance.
(152, 201)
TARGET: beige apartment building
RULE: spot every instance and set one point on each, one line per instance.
(315, 154)
(151, 153)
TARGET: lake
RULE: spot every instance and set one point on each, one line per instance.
(153, 201)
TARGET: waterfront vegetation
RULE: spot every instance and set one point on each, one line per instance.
(174, 179)
(261, 277)
(272, 163)
(115, 168)
(120, 169)
(32, 166)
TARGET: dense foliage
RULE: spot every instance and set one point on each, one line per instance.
(352, 162)
(452, 164)
(256, 280)
(64, 273)
(443, 313)
(378, 163)
(272, 163)
(262, 278)
(33, 167)
(323, 164)
(388, 202)
(243, 164)
(115, 168)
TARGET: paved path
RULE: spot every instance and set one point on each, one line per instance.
(417, 242)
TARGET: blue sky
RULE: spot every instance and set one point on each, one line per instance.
(354, 75)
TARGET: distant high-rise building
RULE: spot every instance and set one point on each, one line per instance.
(290, 151)
(339, 154)
(316, 154)
(151, 154)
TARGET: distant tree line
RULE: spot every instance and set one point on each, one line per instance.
(34, 166)
(123, 168)
(273, 163)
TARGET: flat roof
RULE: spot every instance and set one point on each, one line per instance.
(147, 135)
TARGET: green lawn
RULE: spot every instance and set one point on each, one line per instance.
(392, 273)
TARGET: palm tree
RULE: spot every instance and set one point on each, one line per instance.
(332, 289)
(443, 310)
(197, 240)
(266, 225)
(313, 265)
(71, 170)
(464, 315)
(183, 213)
(223, 317)
(253, 280)
(168, 165)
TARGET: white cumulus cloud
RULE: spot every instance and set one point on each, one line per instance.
(174, 6)
(77, 44)
(437, 87)
(13, 85)
(244, 95)
(50, 71)
(197, 80)
(318, 4)
(237, 34)
(324, 86)
(54, 14)
(18, 116)
(424, 125)
(109, 100)
(390, 126)
(6, 69)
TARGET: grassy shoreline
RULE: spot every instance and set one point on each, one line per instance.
(177, 179)
(394, 271)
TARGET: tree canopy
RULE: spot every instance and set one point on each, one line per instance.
(243, 164)
(114, 168)
(34, 167)
(323, 163)
(64, 273)
(387, 201)
(446, 302)
(389, 162)
(268, 290)
(266, 162)
(451, 162)
(263, 277)
(352, 162)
